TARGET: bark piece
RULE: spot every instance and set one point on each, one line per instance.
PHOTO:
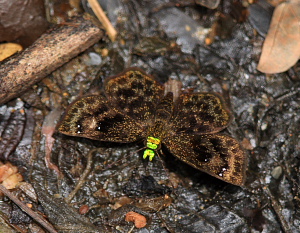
(50, 51)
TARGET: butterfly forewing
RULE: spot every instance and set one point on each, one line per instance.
(134, 93)
(216, 154)
(200, 113)
(93, 117)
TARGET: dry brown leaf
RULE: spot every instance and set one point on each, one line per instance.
(281, 49)
(138, 219)
(12, 181)
(8, 49)
(7, 170)
(9, 175)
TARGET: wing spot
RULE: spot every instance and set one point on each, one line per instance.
(80, 104)
(218, 110)
(74, 111)
(65, 128)
(203, 106)
(131, 75)
(207, 98)
(215, 141)
(79, 128)
(223, 170)
(90, 100)
(230, 143)
(193, 122)
(138, 75)
(202, 153)
(235, 150)
(125, 93)
(137, 85)
(120, 81)
(148, 83)
(206, 116)
(101, 110)
(236, 174)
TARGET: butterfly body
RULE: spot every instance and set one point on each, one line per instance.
(134, 107)
(158, 131)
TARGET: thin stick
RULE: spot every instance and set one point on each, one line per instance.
(111, 31)
(278, 211)
(82, 179)
(27, 210)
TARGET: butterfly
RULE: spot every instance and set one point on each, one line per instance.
(134, 107)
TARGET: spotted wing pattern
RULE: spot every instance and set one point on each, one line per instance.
(93, 117)
(194, 137)
(135, 94)
(200, 113)
(216, 154)
(122, 115)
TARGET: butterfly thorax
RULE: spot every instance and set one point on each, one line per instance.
(157, 132)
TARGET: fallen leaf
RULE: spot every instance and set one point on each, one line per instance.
(12, 181)
(84, 209)
(281, 49)
(7, 170)
(9, 175)
(138, 219)
(8, 49)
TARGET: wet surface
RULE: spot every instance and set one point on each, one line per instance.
(267, 120)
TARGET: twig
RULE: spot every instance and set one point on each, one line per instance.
(111, 31)
(27, 210)
(278, 211)
(83, 176)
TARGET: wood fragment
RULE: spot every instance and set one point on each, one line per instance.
(111, 31)
(27, 210)
(50, 51)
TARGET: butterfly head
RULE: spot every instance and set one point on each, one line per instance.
(152, 145)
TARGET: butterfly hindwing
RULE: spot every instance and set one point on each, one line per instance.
(93, 117)
(200, 113)
(216, 154)
(134, 93)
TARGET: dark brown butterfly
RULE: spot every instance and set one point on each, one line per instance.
(134, 107)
